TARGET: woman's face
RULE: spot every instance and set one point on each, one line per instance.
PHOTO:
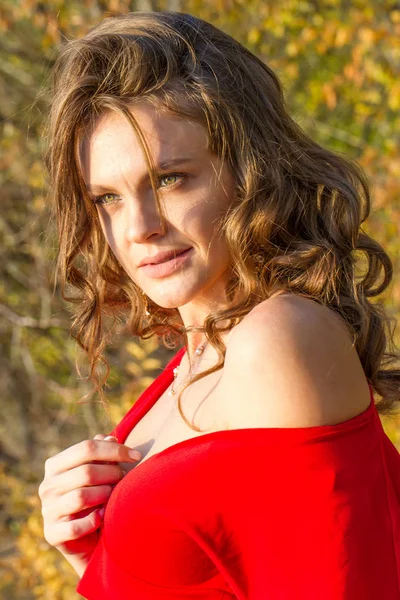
(192, 196)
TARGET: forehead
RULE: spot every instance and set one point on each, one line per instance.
(112, 134)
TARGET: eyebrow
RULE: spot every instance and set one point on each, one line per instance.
(98, 189)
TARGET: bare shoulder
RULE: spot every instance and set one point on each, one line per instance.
(291, 363)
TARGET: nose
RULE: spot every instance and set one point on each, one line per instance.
(142, 221)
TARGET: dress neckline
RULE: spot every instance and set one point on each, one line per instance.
(271, 434)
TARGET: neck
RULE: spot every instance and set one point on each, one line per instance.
(193, 344)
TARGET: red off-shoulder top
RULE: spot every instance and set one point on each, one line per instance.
(254, 514)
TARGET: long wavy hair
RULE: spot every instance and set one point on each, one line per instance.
(295, 220)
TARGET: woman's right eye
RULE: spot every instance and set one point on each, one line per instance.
(104, 199)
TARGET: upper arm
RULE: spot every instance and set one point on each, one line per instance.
(289, 364)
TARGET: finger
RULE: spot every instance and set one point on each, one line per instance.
(110, 438)
(76, 501)
(65, 531)
(82, 476)
(88, 451)
(99, 436)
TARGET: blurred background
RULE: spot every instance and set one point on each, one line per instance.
(339, 62)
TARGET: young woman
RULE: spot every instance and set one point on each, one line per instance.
(190, 205)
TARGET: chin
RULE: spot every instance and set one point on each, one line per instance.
(170, 300)
(170, 304)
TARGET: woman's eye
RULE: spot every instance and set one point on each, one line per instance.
(172, 176)
(105, 199)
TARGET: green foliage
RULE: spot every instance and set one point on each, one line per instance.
(338, 62)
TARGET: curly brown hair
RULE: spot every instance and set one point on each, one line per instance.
(298, 207)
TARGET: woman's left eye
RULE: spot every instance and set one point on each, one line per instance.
(172, 176)
(104, 199)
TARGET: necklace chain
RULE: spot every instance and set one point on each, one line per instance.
(199, 351)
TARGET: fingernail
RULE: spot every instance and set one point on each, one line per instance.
(134, 454)
(110, 437)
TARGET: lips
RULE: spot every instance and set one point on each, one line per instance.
(161, 257)
(169, 267)
(172, 255)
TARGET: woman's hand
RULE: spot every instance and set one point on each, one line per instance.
(77, 484)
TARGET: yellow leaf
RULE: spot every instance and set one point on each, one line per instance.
(318, 19)
(373, 96)
(254, 36)
(292, 49)
(151, 364)
(366, 35)
(394, 97)
(135, 350)
(391, 229)
(117, 412)
(308, 34)
(292, 70)
(393, 166)
(395, 16)
(329, 95)
(341, 37)
(146, 381)
(134, 369)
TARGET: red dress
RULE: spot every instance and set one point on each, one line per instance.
(254, 514)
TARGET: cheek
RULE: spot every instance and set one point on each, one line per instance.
(109, 234)
(213, 212)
